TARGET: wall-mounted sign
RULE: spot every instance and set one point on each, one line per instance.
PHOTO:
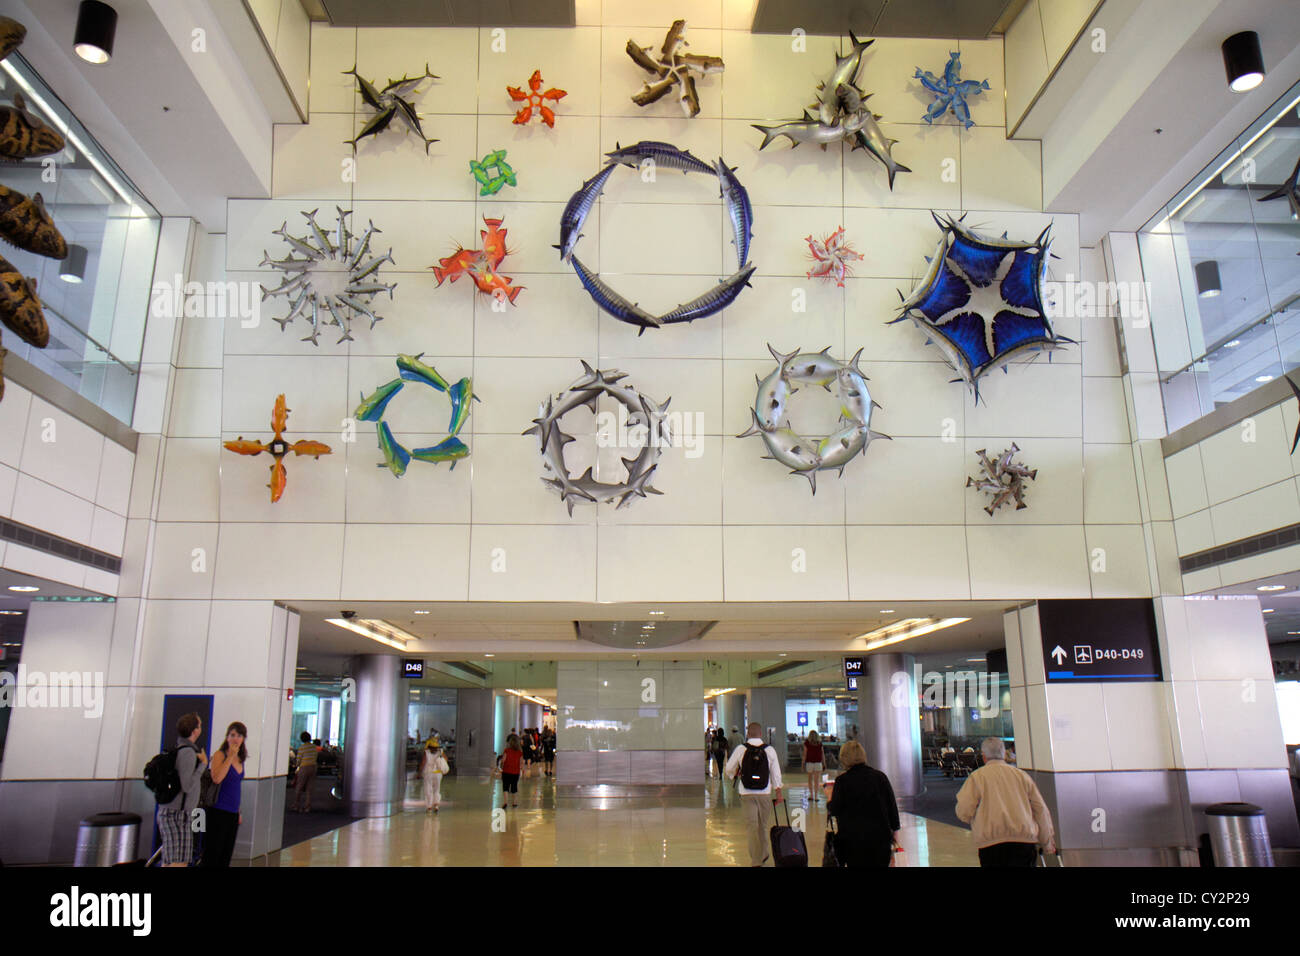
(412, 667)
(1099, 640)
(854, 667)
(801, 718)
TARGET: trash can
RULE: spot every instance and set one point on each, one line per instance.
(107, 839)
(1239, 834)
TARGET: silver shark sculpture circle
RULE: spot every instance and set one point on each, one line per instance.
(840, 115)
(328, 281)
(806, 456)
(649, 154)
(642, 413)
(1003, 479)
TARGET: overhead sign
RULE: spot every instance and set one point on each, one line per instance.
(854, 667)
(412, 667)
(1099, 640)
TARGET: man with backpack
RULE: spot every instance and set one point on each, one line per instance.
(757, 771)
(174, 776)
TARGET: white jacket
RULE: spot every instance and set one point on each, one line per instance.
(773, 766)
(1002, 804)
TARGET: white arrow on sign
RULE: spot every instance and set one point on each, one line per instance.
(1059, 653)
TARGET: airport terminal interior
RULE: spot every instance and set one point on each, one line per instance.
(488, 415)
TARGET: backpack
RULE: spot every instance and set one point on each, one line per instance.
(754, 768)
(209, 789)
(161, 776)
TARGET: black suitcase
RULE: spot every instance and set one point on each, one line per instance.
(789, 848)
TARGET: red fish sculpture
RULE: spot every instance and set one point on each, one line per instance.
(533, 99)
(278, 447)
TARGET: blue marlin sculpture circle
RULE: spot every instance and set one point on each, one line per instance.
(807, 456)
(981, 301)
(740, 213)
(374, 405)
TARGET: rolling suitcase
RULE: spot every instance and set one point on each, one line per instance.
(789, 848)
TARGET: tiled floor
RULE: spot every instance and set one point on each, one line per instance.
(688, 830)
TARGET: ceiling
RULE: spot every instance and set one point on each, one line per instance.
(447, 13)
(963, 19)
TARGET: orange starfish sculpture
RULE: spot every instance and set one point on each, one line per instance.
(535, 100)
(278, 448)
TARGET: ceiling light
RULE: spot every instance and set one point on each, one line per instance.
(1233, 344)
(907, 629)
(1271, 587)
(1208, 284)
(489, 655)
(886, 610)
(718, 691)
(96, 28)
(10, 612)
(1267, 610)
(73, 268)
(1243, 61)
(381, 631)
(1263, 378)
(657, 612)
(520, 693)
(23, 588)
(422, 612)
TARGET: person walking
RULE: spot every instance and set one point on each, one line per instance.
(223, 816)
(1008, 816)
(432, 766)
(307, 753)
(174, 816)
(865, 811)
(757, 770)
(813, 762)
(719, 750)
(548, 751)
(511, 763)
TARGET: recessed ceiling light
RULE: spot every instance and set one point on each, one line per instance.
(1263, 378)
(658, 612)
(1293, 632)
(1271, 587)
(23, 588)
(422, 612)
(11, 612)
(1268, 610)
(886, 610)
(780, 655)
(489, 655)
(1233, 344)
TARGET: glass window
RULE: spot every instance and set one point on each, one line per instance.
(1222, 271)
(97, 299)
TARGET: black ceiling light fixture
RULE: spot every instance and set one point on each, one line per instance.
(73, 268)
(96, 27)
(1244, 61)
(1207, 279)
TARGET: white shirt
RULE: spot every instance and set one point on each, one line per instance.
(773, 766)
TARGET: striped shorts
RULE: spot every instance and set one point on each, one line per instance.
(177, 839)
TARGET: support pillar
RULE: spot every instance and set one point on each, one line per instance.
(374, 772)
(889, 723)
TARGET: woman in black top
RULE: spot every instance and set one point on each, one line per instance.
(864, 809)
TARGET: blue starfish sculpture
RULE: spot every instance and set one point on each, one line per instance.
(981, 301)
(950, 92)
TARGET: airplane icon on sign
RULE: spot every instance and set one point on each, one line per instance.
(1083, 653)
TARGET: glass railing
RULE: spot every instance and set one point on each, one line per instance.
(1223, 270)
(95, 301)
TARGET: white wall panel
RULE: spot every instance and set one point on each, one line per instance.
(785, 564)
(901, 562)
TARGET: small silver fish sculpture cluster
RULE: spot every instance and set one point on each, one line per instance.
(1003, 479)
(673, 68)
(333, 282)
(807, 456)
(394, 101)
(840, 115)
(642, 412)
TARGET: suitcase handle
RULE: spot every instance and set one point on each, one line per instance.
(777, 817)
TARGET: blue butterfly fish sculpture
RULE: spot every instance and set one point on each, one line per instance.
(981, 301)
(950, 92)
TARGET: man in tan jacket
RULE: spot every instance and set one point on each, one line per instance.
(1008, 817)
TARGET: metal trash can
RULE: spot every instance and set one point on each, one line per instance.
(107, 839)
(1239, 834)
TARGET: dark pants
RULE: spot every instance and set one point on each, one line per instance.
(1009, 854)
(219, 841)
(863, 852)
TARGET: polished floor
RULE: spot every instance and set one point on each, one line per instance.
(704, 829)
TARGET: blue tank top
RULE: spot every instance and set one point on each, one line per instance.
(228, 796)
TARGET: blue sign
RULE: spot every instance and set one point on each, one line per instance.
(801, 718)
(412, 667)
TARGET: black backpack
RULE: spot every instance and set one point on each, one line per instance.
(753, 768)
(161, 776)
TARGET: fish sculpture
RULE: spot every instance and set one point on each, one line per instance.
(20, 308)
(806, 456)
(611, 302)
(715, 300)
(278, 448)
(394, 101)
(396, 457)
(493, 173)
(670, 68)
(12, 34)
(658, 154)
(840, 114)
(950, 92)
(740, 213)
(534, 99)
(26, 224)
(1289, 190)
(639, 469)
(831, 256)
(1003, 479)
(23, 135)
(481, 265)
(577, 209)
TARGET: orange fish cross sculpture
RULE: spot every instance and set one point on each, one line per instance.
(278, 448)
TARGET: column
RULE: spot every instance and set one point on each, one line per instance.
(474, 723)
(767, 707)
(889, 723)
(374, 768)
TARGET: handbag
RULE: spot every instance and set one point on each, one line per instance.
(899, 856)
(829, 856)
(209, 790)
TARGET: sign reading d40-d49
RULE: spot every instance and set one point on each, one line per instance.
(1099, 640)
